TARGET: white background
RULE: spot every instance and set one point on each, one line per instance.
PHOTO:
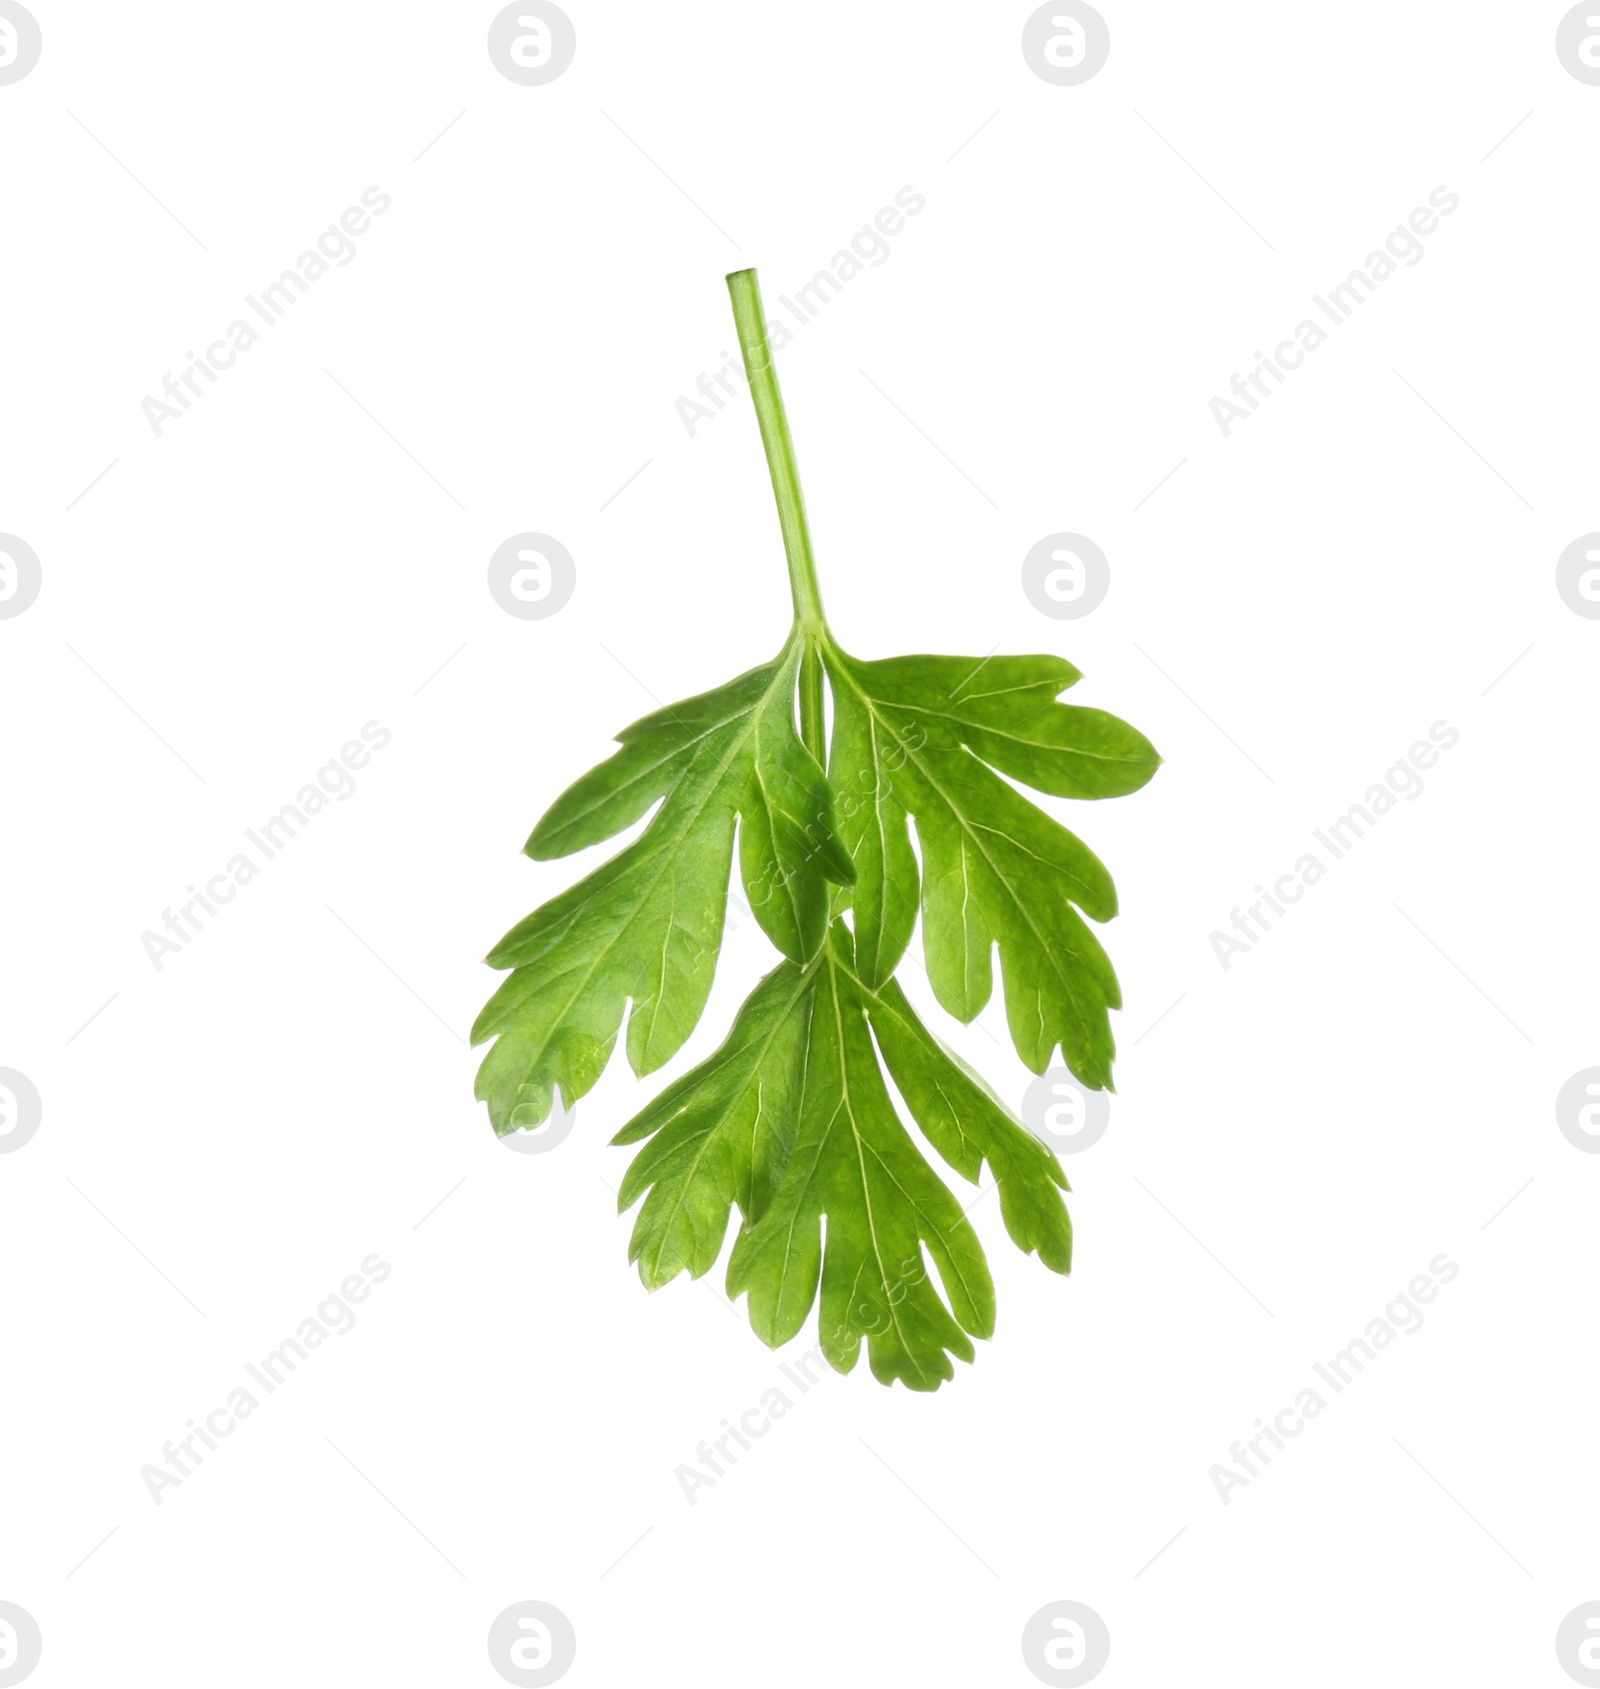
(1300, 1133)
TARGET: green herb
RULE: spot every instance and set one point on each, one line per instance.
(792, 1119)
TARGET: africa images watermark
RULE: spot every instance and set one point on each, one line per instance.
(335, 781)
(1402, 781)
(754, 1422)
(1401, 246)
(868, 246)
(1401, 1317)
(334, 247)
(869, 1314)
(334, 1317)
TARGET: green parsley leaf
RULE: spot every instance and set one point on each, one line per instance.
(922, 736)
(647, 925)
(792, 1121)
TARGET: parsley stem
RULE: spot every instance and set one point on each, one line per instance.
(751, 320)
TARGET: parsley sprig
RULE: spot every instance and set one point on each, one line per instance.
(792, 1119)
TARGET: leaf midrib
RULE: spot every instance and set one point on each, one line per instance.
(966, 722)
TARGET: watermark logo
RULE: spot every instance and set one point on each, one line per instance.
(1402, 1317)
(1066, 576)
(335, 249)
(1066, 43)
(21, 1110)
(1578, 48)
(1578, 1641)
(717, 1454)
(532, 43)
(530, 1137)
(1064, 1112)
(1403, 782)
(335, 782)
(20, 1643)
(868, 248)
(531, 576)
(1577, 1110)
(184, 1454)
(19, 53)
(20, 575)
(1066, 1643)
(532, 1642)
(1402, 247)
(1577, 569)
